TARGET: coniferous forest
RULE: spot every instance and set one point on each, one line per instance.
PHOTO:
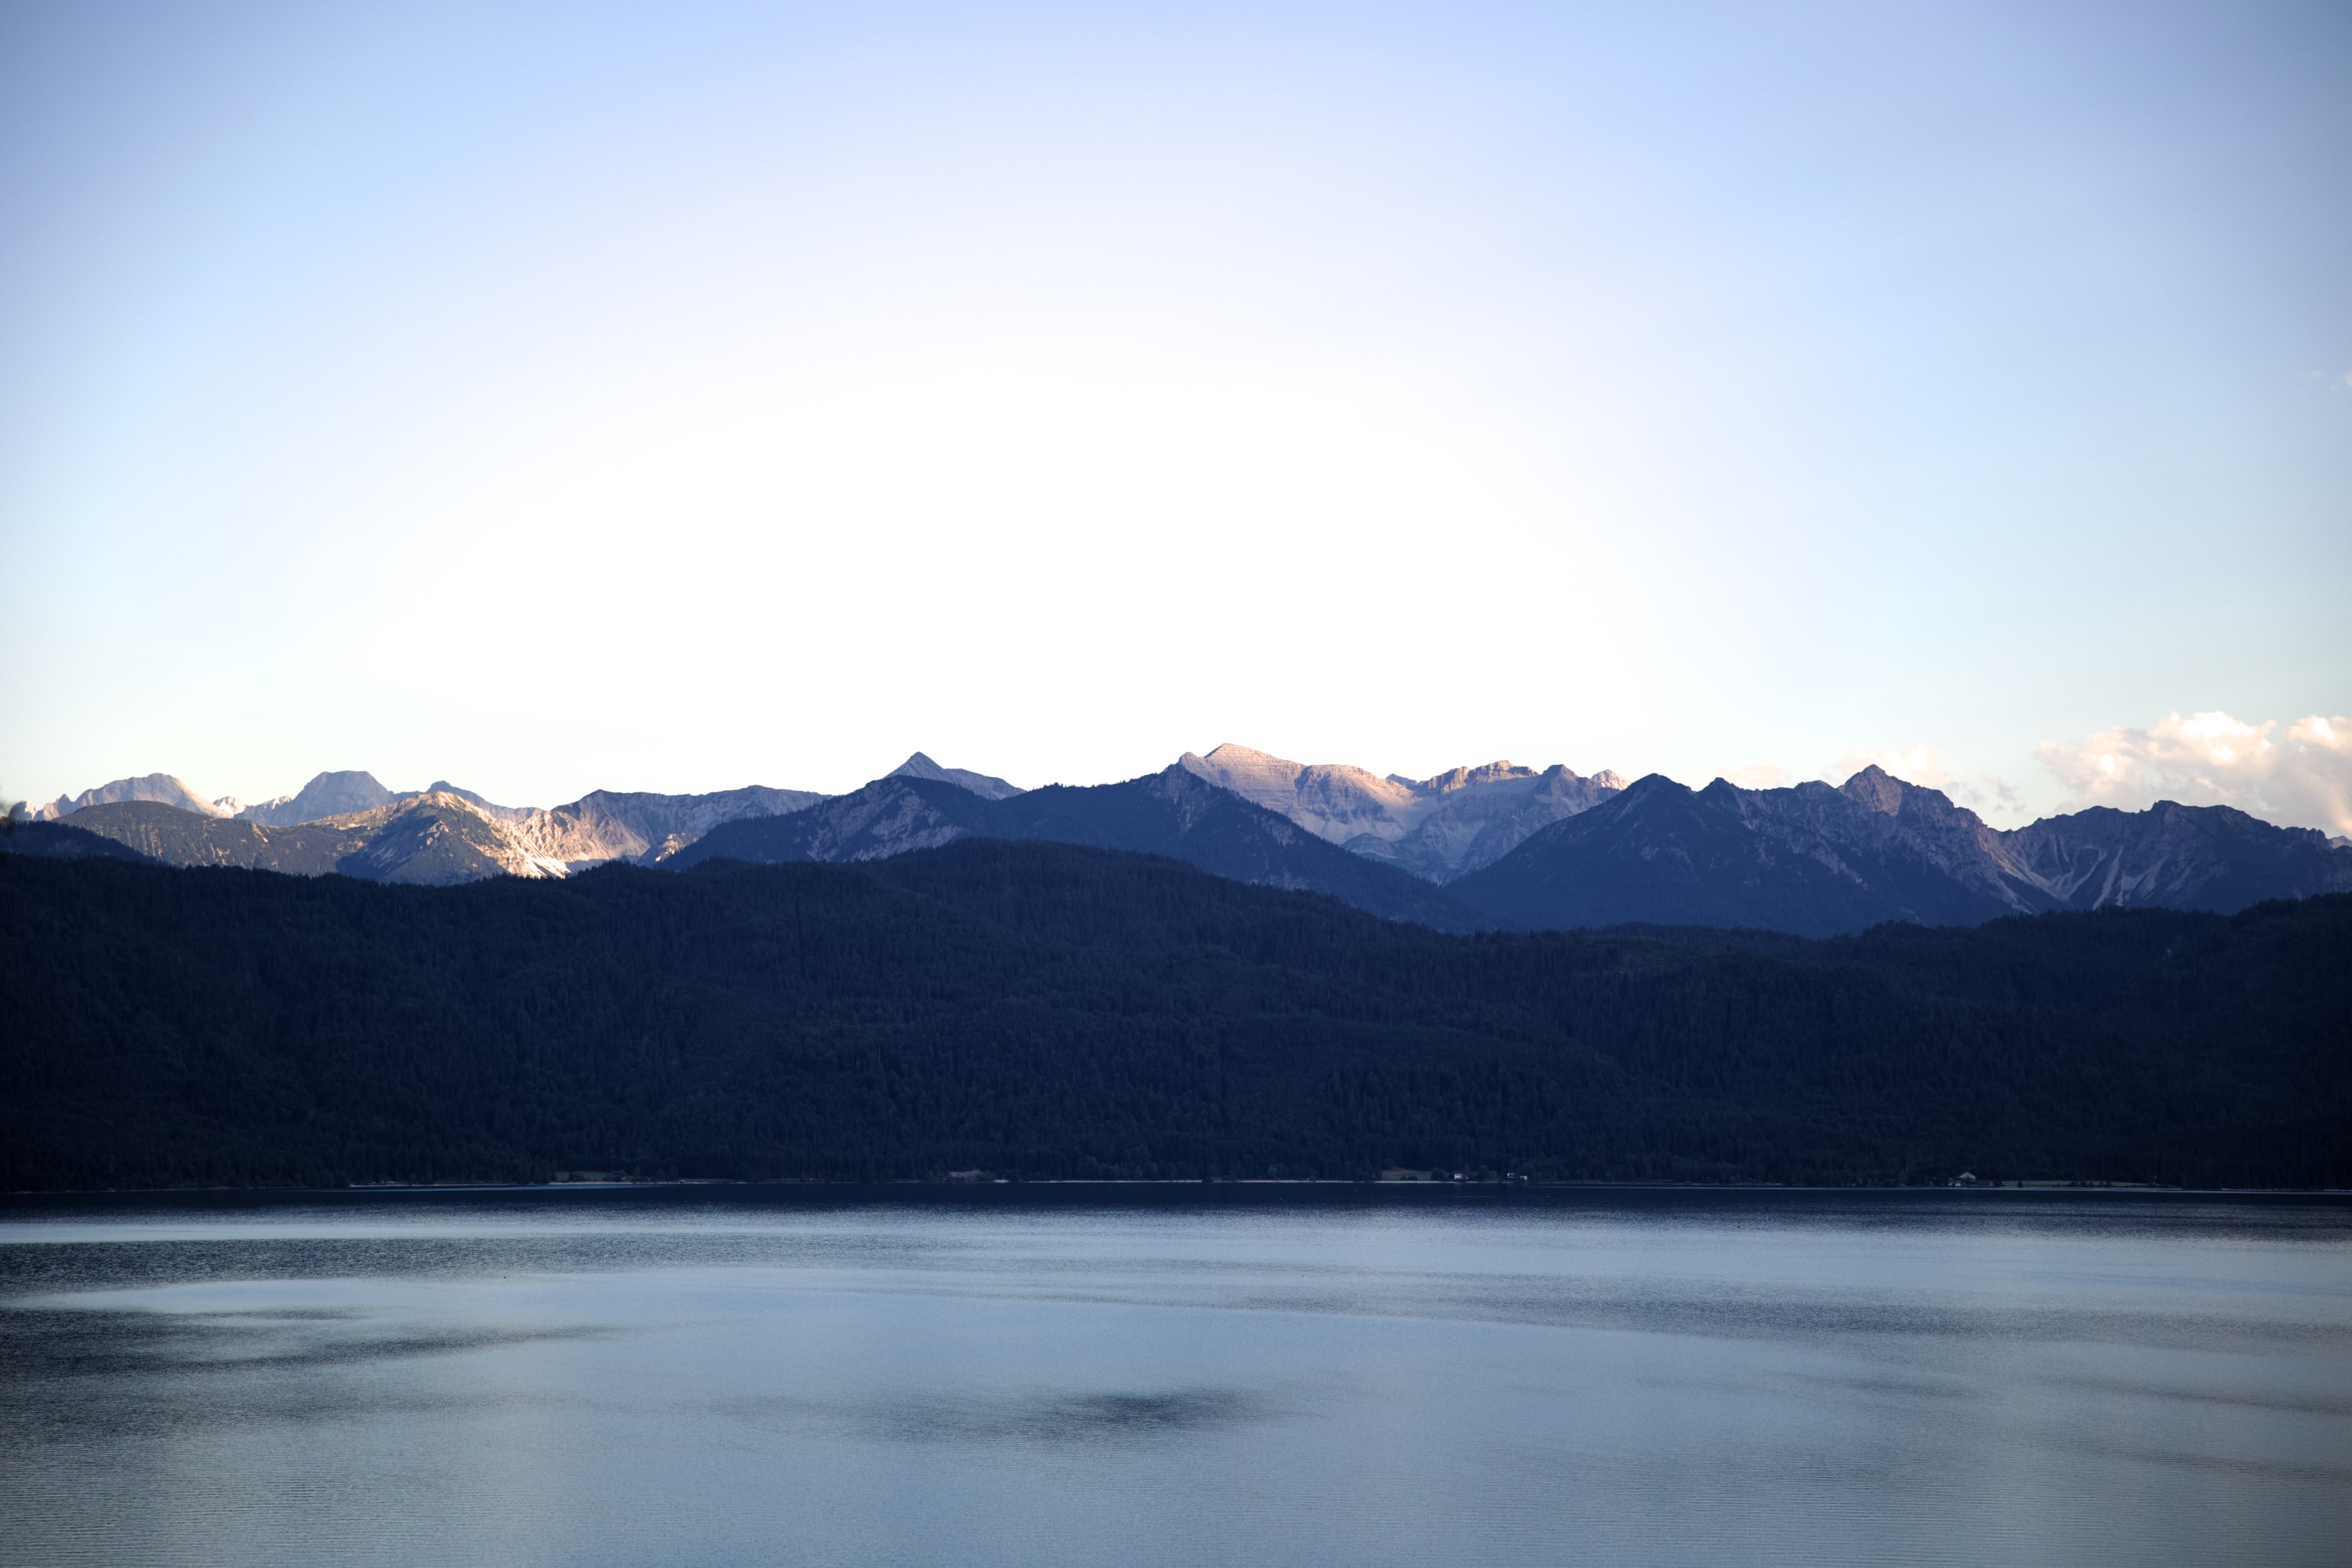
(1044, 1011)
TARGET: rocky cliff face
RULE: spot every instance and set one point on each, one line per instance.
(1436, 828)
(1470, 825)
(435, 839)
(606, 824)
(1338, 804)
(2176, 857)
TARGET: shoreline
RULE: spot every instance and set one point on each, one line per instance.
(1005, 1185)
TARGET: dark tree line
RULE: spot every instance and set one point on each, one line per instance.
(1041, 1010)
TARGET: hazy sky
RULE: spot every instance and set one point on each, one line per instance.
(678, 397)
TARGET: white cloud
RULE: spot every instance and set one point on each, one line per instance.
(1762, 776)
(2302, 778)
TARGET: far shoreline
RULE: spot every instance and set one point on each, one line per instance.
(1007, 1187)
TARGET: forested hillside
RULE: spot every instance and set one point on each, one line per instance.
(1045, 1010)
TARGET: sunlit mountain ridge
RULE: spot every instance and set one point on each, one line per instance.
(1494, 846)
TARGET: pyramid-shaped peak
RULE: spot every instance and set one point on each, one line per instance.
(342, 793)
(1875, 788)
(921, 766)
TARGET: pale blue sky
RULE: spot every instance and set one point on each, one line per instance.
(678, 397)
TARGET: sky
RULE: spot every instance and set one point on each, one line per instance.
(552, 398)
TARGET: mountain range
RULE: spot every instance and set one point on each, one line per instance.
(1493, 846)
(1816, 860)
(1174, 812)
(328, 794)
(1439, 827)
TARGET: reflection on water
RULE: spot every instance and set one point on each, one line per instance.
(1156, 1376)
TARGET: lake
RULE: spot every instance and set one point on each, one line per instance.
(1284, 1375)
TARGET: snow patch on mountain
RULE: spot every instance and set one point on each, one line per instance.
(1438, 828)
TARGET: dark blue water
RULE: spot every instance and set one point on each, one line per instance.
(1146, 1376)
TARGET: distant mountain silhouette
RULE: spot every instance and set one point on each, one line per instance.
(920, 766)
(442, 835)
(1171, 813)
(434, 838)
(888, 816)
(1816, 860)
(1542, 850)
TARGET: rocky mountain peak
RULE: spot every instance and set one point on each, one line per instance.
(1334, 801)
(1464, 778)
(501, 813)
(1250, 773)
(1436, 828)
(344, 793)
(920, 766)
(1875, 788)
(163, 789)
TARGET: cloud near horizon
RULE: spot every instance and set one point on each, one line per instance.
(2301, 778)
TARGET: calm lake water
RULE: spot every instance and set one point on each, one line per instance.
(1092, 1375)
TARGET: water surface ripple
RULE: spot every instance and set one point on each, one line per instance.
(1145, 1375)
